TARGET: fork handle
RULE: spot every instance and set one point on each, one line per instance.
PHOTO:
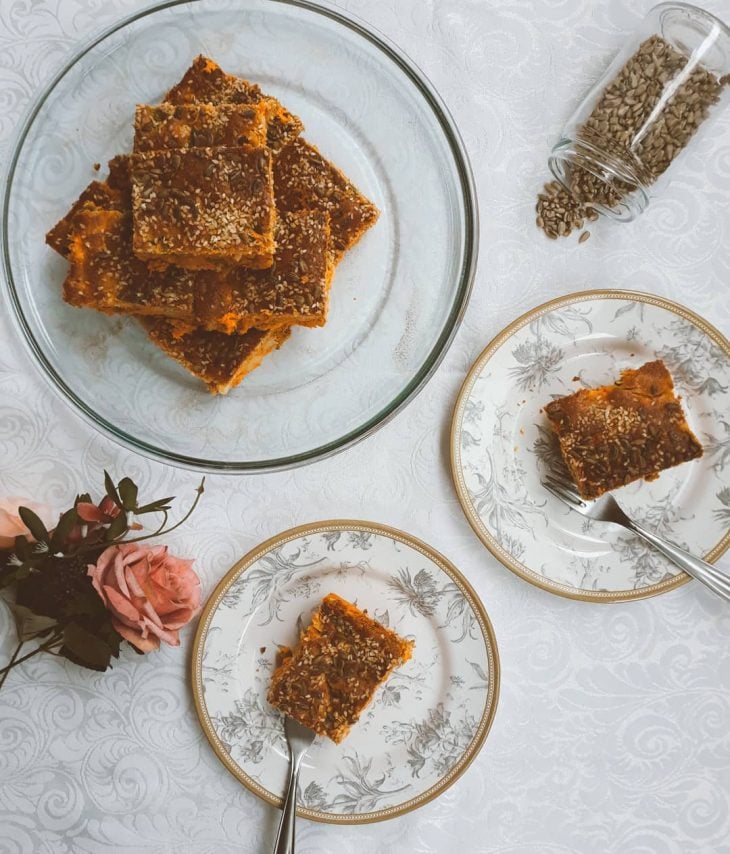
(285, 835)
(709, 575)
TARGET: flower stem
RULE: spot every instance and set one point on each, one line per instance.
(44, 647)
(11, 663)
(176, 525)
(160, 530)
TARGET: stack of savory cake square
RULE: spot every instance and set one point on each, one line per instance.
(219, 232)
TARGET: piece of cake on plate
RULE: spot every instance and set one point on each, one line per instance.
(615, 434)
(333, 673)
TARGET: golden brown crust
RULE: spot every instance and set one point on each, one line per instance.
(206, 82)
(283, 127)
(119, 177)
(303, 178)
(202, 202)
(199, 126)
(204, 208)
(295, 290)
(96, 196)
(114, 194)
(106, 276)
(613, 435)
(220, 361)
(332, 675)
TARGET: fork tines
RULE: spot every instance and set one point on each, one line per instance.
(563, 490)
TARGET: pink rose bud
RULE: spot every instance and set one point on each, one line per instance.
(109, 508)
(105, 512)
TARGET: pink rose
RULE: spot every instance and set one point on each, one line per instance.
(12, 526)
(151, 594)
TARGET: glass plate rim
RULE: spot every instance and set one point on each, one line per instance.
(469, 204)
(504, 557)
(445, 565)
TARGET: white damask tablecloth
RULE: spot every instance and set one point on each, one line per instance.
(612, 733)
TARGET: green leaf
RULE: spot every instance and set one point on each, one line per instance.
(110, 636)
(117, 528)
(111, 490)
(34, 524)
(63, 529)
(11, 575)
(155, 506)
(95, 536)
(84, 648)
(23, 548)
(86, 603)
(28, 624)
(128, 493)
(84, 498)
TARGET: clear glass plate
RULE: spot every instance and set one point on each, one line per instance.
(397, 297)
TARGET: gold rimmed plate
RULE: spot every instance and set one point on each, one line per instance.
(424, 726)
(501, 444)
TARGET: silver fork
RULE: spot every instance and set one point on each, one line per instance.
(606, 509)
(299, 739)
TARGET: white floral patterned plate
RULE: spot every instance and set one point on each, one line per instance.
(424, 726)
(501, 444)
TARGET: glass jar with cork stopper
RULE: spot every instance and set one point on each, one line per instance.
(666, 84)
